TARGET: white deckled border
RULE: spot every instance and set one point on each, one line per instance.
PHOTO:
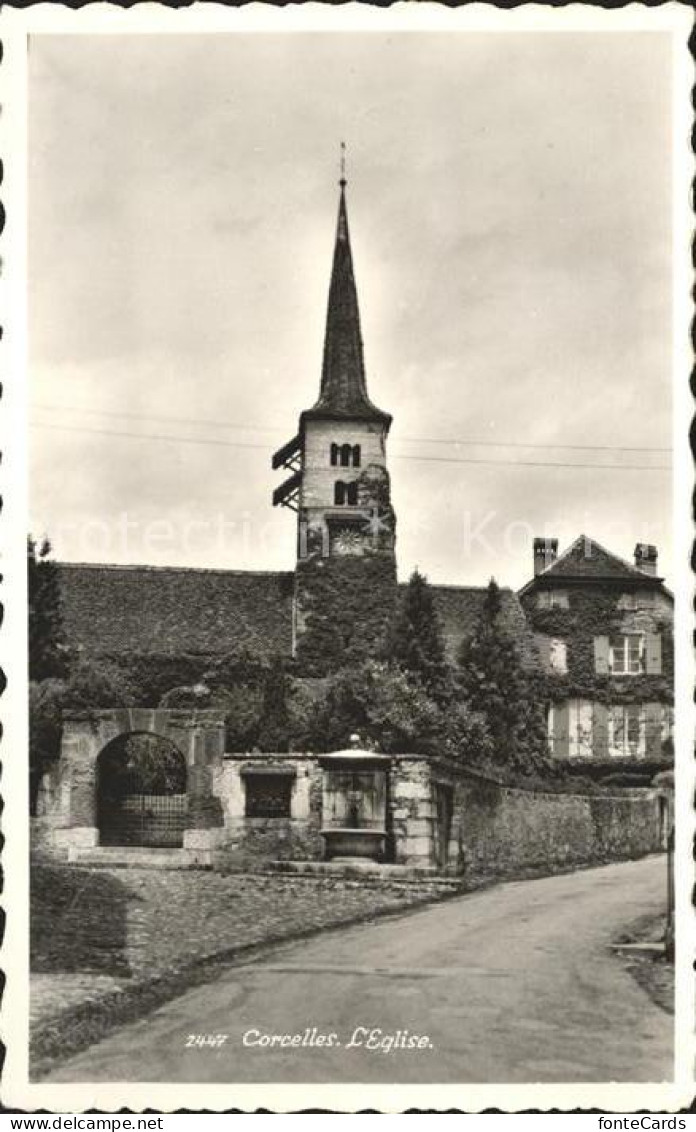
(15, 26)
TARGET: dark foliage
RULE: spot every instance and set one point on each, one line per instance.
(47, 651)
(139, 763)
(347, 605)
(274, 731)
(375, 700)
(416, 642)
(495, 684)
(595, 611)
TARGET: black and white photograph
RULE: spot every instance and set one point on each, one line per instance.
(346, 449)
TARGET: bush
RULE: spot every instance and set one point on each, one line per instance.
(375, 700)
(45, 730)
(274, 729)
(187, 696)
(467, 737)
(94, 684)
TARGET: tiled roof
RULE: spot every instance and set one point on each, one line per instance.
(112, 609)
(585, 558)
(460, 609)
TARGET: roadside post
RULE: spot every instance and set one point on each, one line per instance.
(663, 783)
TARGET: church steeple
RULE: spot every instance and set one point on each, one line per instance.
(339, 488)
(343, 394)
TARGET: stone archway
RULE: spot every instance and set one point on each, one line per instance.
(198, 734)
(142, 797)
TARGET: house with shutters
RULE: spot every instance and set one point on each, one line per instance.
(603, 628)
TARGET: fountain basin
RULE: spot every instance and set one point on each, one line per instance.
(358, 844)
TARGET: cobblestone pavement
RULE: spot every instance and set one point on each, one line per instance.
(95, 931)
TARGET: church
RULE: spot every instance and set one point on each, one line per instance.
(597, 628)
(344, 584)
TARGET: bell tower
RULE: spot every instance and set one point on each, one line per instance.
(339, 483)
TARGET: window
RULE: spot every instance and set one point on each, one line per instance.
(552, 599)
(345, 455)
(626, 731)
(558, 655)
(570, 729)
(634, 600)
(268, 795)
(345, 493)
(626, 655)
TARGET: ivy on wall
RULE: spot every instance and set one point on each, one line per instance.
(594, 611)
(345, 606)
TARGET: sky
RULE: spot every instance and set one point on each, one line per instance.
(509, 204)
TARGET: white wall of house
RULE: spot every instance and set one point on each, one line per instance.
(574, 727)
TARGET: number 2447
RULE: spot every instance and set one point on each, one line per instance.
(213, 1041)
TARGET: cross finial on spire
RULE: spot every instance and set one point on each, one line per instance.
(343, 181)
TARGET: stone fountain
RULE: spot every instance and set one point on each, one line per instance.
(354, 804)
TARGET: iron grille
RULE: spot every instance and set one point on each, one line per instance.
(154, 820)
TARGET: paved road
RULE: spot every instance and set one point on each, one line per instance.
(514, 984)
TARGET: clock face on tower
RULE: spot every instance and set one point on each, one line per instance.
(347, 540)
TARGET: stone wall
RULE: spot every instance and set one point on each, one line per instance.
(504, 830)
(412, 805)
(293, 838)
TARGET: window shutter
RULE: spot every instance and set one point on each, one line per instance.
(653, 654)
(601, 655)
(653, 731)
(544, 646)
(558, 654)
(561, 737)
(600, 731)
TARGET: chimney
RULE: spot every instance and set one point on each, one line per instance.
(545, 552)
(646, 558)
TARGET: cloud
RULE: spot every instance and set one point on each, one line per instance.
(510, 219)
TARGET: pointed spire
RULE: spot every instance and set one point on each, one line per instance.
(343, 384)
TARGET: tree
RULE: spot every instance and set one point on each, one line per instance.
(379, 702)
(45, 726)
(47, 651)
(416, 641)
(495, 684)
(236, 683)
(275, 720)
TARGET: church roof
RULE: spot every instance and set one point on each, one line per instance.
(152, 609)
(460, 608)
(343, 393)
(155, 609)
